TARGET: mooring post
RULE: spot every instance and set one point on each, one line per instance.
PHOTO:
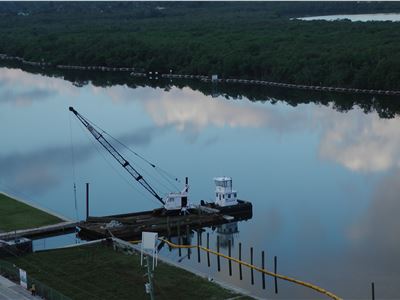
(373, 290)
(187, 237)
(251, 262)
(179, 249)
(275, 271)
(208, 247)
(263, 267)
(187, 231)
(230, 254)
(87, 201)
(168, 227)
(240, 258)
(218, 259)
(201, 238)
(198, 246)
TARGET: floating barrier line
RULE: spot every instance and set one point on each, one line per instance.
(283, 277)
(155, 75)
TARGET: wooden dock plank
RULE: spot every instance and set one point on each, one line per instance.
(38, 231)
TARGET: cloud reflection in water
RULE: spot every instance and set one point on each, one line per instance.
(39, 170)
(360, 142)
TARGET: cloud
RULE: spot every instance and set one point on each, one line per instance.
(191, 111)
(361, 142)
(380, 225)
(23, 88)
(25, 97)
(39, 170)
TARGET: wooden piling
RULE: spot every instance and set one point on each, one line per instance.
(229, 254)
(208, 247)
(263, 267)
(373, 290)
(168, 227)
(198, 248)
(178, 229)
(218, 259)
(240, 258)
(275, 271)
(87, 201)
(179, 249)
(251, 262)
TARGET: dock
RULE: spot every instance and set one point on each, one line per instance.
(48, 230)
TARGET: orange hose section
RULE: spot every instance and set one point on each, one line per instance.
(283, 277)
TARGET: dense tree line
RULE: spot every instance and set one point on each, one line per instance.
(249, 40)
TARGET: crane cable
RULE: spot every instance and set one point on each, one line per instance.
(163, 173)
(168, 177)
(73, 168)
(95, 146)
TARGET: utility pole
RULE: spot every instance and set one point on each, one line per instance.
(149, 285)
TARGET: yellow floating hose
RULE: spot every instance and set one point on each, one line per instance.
(283, 277)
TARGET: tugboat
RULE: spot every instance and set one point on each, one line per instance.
(226, 200)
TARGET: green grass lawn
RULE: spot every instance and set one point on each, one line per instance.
(99, 272)
(16, 215)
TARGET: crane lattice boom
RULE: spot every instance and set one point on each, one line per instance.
(121, 160)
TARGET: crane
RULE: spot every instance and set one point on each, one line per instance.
(174, 201)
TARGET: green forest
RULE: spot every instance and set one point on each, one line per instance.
(256, 40)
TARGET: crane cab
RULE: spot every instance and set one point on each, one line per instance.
(176, 201)
(224, 195)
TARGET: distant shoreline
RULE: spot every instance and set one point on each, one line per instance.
(152, 74)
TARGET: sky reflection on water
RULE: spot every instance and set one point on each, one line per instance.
(324, 184)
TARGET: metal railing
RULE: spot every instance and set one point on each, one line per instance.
(11, 271)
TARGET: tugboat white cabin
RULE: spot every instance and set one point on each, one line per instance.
(224, 195)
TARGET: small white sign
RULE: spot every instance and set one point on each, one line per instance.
(23, 279)
(149, 246)
(149, 240)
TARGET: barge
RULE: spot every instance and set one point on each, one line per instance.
(176, 210)
(226, 209)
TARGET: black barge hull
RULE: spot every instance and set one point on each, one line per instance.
(130, 226)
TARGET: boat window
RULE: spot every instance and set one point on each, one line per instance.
(216, 194)
(234, 195)
(229, 195)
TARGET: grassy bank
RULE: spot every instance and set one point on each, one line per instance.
(15, 215)
(98, 272)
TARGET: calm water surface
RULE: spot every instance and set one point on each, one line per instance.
(358, 17)
(324, 184)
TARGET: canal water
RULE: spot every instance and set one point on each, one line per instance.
(393, 17)
(322, 170)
